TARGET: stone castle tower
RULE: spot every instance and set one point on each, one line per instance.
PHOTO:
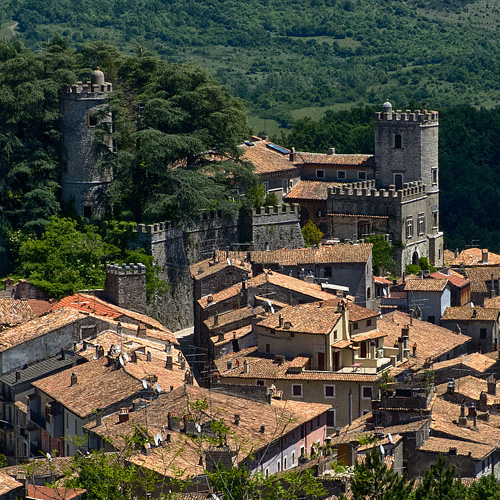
(83, 108)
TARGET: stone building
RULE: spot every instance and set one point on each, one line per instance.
(83, 181)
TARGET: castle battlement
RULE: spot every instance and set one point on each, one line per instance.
(89, 88)
(428, 117)
(289, 208)
(410, 191)
(125, 269)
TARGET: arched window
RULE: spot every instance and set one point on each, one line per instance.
(368, 293)
(398, 181)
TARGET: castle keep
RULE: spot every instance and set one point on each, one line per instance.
(83, 181)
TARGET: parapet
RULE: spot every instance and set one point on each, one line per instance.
(410, 191)
(88, 88)
(125, 269)
(289, 208)
(426, 117)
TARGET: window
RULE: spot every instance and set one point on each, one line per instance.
(398, 181)
(285, 186)
(92, 119)
(302, 451)
(421, 224)
(435, 215)
(431, 319)
(268, 348)
(320, 174)
(329, 391)
(368, 322)
(64, 164)
(482, 333)
(355, 326)
(341, 174)
(297, 390)
(409, 227)
(260, 383)
(87, 211)
(368, 293)
(293, 458)
(284, 464)
(328, 271)
(266, 186)
(398, 141)
(366, 392)
(361, 176)
(434, 175)
(330, 418)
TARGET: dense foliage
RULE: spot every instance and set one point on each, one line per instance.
(280, 56)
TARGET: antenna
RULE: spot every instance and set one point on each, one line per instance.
(144, 384)
(121, 361)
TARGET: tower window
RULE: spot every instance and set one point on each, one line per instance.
(320, 174)
(398, 142)
(361, 176)
(398, 181)
(421, 224)
(409, 227)
(87, 211)
(341, 174)
(434, 175)
(92, 120)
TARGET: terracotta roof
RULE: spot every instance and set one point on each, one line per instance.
(475, 361)
(36, 492)
(99, 307)
(358, 313)
(432, 340)
(305, 318)
(467, 313)
(37, 327)
(382, 281)
(267, 160)
(471, 387)
(426, 285)
(208, 267)
(357, 160)
(448, 257)
(43, 468)
(478, 276)
(263, 366)
(98, 386)
(235, 316)
(229, 336)
(8, 484)
(458, 281)
(492, 302)
(278, 418)
(15, 311)
(310, 190)
(367, 336)
(341, 344)
(474, 257)
(340, 253)
(440, 445)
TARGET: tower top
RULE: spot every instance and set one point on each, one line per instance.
(424, 117)
(97, 77)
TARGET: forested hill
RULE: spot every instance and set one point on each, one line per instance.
(286, 55)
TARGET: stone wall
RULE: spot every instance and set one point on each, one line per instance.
(126, 286)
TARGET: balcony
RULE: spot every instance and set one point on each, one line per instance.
(367, 366)
(37, 419)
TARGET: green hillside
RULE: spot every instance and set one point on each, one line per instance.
(288, 55)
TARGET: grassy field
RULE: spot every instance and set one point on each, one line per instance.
(7, 29)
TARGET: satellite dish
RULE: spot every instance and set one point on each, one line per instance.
(197, 426)
(158, 388)
(159, 438)
(121, 361)
(49, 456)
(156, 440)
(144, 384)
(382, 450)
(390, 438)
(125, 355)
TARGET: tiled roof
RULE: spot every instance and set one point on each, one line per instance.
(15, 311)
(382, 281)
(267, 160)
(305, 318)
(229, 336)
(474, 257)
(357, 160)
(448, 257)
(8, 484)
(432, 340)
(440, 445)
(278, 418)
(471, 387)
(467, 313)
(263, 366)
(358, 313)
(43, 468)
(208, 267)
(230, 317)
(492, 303)
(310, 190)
(37, 327)
(458, 281)
(36, 492)
(99, 307)
(475, 361)
(98, 386)
(327, 254)
(367, 336)
(478, 276)
(426, 285)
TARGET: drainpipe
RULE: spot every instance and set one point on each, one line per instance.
(350, 406)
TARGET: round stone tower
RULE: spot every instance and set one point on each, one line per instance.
(83, 111)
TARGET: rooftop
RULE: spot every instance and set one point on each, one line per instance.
(479, 276)
(208, 267)
(267, 160)
(310, 190)
(426, 285)
(475, 361)
(441, 445)
(98, 386)
(36, 492)
(8, 484)
(327, 254)
(467, 313)
(357, 160)
(474, 257)
(15, 311)
(454, 278)
(230, 317)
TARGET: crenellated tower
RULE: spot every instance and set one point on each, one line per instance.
(83, 180)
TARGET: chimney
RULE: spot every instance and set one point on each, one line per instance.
(98, 419)
(63, 354)
(236, 419)
(451, 387)
(474, 313)
(168, 348)
(401, 349)
(216, 318)
(97, 352)
(280, 321)
(148, 356)
(262, 429)
(229, 365)
(320, 305)
(183, 364)
(331, 151)
(123, 415)
(169, 364)
(472, 410)
(462, 421)
(484, 259)
(74, 379)
(452, 451)
(246, 367)
(380, 269)
(414, 347)
(18, 376)
(293, 155)
(141, 330)
(492, 386)
(220, 337)
(169, 438)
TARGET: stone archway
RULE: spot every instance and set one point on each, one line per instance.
(415, 258)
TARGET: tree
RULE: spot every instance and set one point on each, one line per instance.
(372, 480)
(311, 233)
(382, 252)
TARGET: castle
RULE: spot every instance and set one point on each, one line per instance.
(394, 192)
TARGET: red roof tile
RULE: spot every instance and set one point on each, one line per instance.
(36, 492)
(310, 190)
